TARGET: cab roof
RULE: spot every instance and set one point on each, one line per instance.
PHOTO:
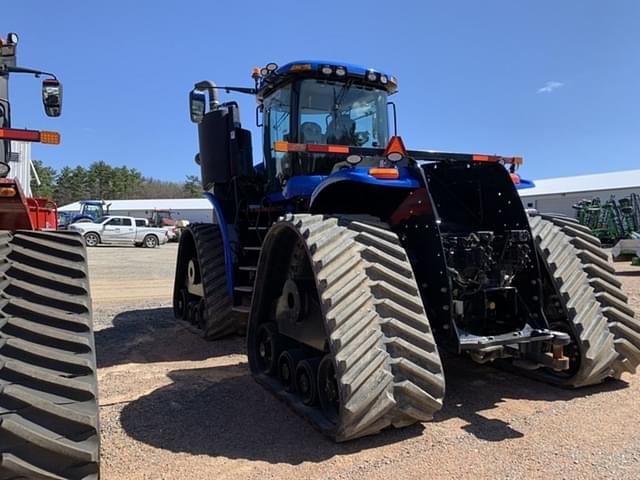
(325, 69)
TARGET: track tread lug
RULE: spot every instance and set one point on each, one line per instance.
(47, 358)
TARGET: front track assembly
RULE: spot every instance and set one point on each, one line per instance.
(337, 327)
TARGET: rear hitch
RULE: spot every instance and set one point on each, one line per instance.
(559, 361)
(549, 354)
(530, 348)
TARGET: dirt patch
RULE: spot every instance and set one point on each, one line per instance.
(174, 406)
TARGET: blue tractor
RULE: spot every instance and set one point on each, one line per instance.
(351, 261)
(90, 211)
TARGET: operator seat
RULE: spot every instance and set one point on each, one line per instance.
(311, 132)
(341, 131)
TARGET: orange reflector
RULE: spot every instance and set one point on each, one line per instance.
(281, 146)
(7, 192)
(384, 173)
(289, 147)
(328, 148)
(515, 178)
(395, 150)
(52, 138)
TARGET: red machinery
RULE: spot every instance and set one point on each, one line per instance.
(48, 387)
(18, 212)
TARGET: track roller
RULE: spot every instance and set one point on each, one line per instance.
(343, 296)
(287, 362)
(305, 380)
(328, 393)
(268, 348)
(181, 304)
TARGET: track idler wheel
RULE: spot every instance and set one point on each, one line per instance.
(268, 348)
(328, 393)
(305, 380)
(287, 362)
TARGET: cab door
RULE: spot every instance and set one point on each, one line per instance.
(118, 230)
(127, 231)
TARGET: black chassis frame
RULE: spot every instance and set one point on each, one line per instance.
(462, 197)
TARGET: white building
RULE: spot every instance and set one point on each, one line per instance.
(192, 209)
(21, 165)
(558, 195)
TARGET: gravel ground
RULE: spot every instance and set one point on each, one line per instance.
(174, 406)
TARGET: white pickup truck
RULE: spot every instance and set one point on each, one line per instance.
(121, 231)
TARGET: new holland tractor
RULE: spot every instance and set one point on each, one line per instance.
(48, 389)
(352, 261)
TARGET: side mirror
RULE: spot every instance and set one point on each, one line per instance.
(197, 105)
(52, 97)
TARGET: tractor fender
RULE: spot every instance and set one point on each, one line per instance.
(355, 191)
(226, 243)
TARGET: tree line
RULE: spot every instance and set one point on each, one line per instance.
(102, 181)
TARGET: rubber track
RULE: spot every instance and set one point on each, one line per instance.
(220, 321)
(48, 387)
(579, 300)
(387, 364)
(621, 318)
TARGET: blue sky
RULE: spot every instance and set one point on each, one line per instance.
(555, 81)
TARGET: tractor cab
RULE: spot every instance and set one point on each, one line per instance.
(161, 218)
(315, 107)
(313, 115)
(93, 209)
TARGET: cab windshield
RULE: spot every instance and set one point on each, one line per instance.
(335, 113)
(342, 114)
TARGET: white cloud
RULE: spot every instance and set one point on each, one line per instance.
(550, 87)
